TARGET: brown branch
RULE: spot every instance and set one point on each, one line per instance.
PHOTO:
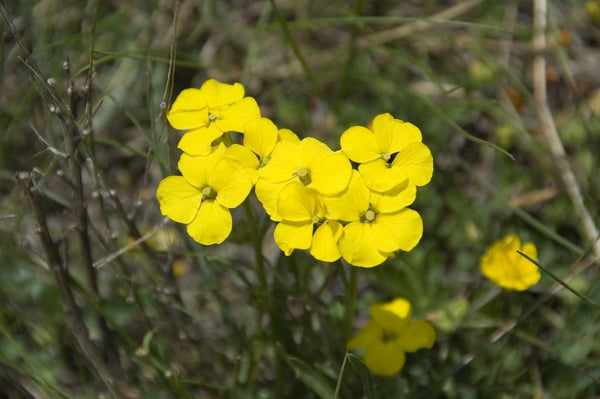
(73, 138)
(79, 329)
(549, 128)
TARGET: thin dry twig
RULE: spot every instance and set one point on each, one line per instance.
(401, 31)
(99, 263)
(549, 128)
(79, 329)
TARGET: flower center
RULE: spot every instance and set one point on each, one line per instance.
(315, 219)
(368, 216)
(212, 117)
(208, 194)
(389, 158)
(304, 176)
(388, 336)
(263, 162)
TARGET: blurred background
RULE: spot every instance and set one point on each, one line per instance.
(171, 318)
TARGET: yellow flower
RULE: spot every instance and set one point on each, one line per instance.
(304, 225)
(202, 197)
(309, 162)
(506, 268)
(260, 137)
(379, 224)
(390, 154)
(208, 112)
(389, 335)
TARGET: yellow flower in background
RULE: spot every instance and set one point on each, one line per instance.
(208, 112)
(379, 224)
(202, 197)
(389, 335)
(390, 153)
(505, 267)
(304, 225)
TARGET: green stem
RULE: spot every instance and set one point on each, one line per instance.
(257, 241)
(351, 305)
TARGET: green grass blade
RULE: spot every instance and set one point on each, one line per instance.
(311, 377)
(559, 280)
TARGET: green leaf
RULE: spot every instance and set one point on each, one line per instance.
(311, 377)
(365, 376)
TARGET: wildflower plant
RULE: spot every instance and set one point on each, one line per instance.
(319, 201)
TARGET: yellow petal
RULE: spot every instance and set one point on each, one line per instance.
(371, 333)
(393, 135)
(384, 358)
(391, 316)
(394, 200)
(220, 94)
(350, 204)
(233, 117)
(197, 169)
(178, 199)
(379, 177)
(282, 165)
(358, 247)
(530, 250)
(311, 151)
(331, 174)
(212, 224)
(246, 157)
(189, 110)
(324, 242)
(199, 141)
(416, 162)
(400, 230)
(416, 335)
(296, 203)
(231, 182)
(358, 143)
(267, 193)
(260, 135)
(288, 135)
(293, 235)
(506, 268)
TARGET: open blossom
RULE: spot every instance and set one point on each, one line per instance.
(390, 155)
(389, 335)
(208, 112)
(379, 224)
(260, 137)
(304, 225)
(310, 162)
(201, 198)
(507, 268)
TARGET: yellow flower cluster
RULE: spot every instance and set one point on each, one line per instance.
(319, 201)
(505, 267)
(389, 335)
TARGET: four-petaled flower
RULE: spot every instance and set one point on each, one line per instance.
(201, 198)
(379, 224)
(304, 224)
(208, 112)
(309, 162)
(389, 335)
(390, 154)
(507, 268)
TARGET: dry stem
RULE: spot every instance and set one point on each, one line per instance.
(549, 128)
